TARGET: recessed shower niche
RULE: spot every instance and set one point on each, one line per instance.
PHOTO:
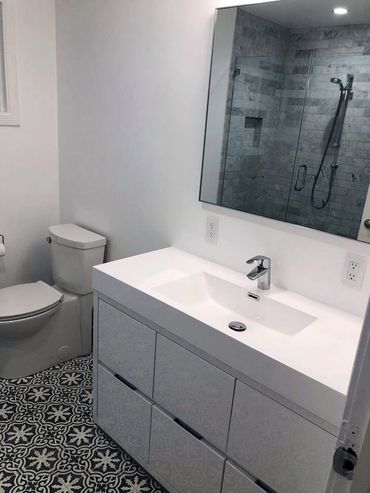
(253, 127)
(288, 123)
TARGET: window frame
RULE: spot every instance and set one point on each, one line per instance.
(11, 116)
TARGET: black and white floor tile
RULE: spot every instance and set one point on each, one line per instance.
(50, 444)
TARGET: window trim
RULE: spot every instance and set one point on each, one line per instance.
(11, 117)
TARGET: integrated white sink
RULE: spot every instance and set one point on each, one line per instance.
(300, 350)
(218, 302)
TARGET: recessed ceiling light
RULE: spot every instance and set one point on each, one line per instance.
(340, 11)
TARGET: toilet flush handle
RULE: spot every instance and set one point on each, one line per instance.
(48, 239)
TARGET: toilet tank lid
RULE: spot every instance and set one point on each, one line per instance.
(76, 237)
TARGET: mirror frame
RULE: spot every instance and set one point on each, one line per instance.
(203, 201)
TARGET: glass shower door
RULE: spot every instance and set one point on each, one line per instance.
(344, 177)
(261, 137)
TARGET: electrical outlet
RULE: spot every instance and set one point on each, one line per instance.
(212, 229)
(354, 271)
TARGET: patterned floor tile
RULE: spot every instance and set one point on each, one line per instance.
(49, 442)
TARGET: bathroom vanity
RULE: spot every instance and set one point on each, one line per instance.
(204, 408)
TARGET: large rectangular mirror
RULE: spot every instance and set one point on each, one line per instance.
(288, 123)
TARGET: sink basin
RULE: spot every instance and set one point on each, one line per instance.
(218, 302)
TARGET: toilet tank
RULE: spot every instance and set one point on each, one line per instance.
(74, 252)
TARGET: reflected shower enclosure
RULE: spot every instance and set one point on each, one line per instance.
(288, 124)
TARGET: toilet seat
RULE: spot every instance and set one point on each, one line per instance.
(27, 300)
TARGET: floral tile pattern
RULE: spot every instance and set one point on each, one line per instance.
(49, 442)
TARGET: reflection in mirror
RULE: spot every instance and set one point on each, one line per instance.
(288, 124)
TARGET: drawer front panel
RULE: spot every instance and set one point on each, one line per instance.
(123, 413)
(187, 463)
(235, 481)
(127, 347)
(193, 390)
(285, 451)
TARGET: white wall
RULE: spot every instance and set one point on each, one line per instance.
(133, 80)
(29, 191)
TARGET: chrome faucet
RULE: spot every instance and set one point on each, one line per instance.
(262, 272)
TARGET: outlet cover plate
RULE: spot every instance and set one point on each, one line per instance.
(212, 225)
(354, 271)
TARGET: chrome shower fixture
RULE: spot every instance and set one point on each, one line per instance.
(335, 80)
(334, 139)
(348, 87)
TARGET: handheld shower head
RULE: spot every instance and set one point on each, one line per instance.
(335, 80)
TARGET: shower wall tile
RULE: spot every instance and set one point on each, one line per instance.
(268, 81)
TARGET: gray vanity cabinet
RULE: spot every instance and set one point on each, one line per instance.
(193, 390)
(197, 429)
(127, 347)
(123, 413)
(236, 481)
(272, 443)
(188, 463)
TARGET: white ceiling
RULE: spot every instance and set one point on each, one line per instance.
(296, 13)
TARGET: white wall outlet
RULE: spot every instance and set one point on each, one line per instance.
(354, 271)
(212, 229)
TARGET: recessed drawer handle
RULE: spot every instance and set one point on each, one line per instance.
(186, 427)
(124, 381)
(264, 486)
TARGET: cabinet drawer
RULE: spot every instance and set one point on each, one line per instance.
(193, 390)
(189, 464)
(236, 481)
(285, 451)
(123, 413)
(127, 347)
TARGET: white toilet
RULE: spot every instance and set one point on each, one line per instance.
(40, 325)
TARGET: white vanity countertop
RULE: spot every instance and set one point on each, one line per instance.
(321, 353)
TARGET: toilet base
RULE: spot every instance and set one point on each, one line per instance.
(66, 334)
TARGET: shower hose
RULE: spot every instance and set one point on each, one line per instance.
(333, 166)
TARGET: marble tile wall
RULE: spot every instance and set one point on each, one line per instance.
(269, 82)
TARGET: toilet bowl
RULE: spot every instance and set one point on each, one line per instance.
(25, 308)
(42, 325)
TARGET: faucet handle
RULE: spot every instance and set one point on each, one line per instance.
(261, 259)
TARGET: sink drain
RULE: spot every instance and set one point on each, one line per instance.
(237, 326)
